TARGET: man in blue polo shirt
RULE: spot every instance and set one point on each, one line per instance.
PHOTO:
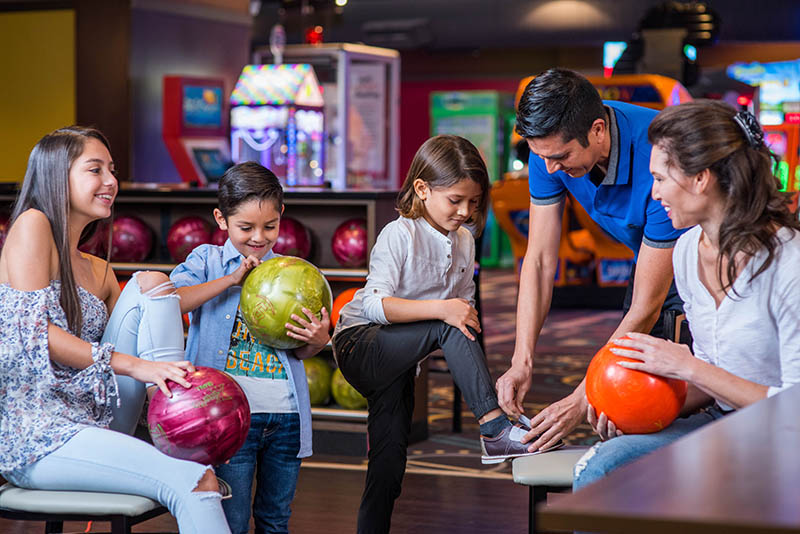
(598, 151)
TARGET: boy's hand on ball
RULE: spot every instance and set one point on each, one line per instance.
(459, 313)
(247, 265)
(312, 330)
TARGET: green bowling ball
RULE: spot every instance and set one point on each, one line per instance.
(275, 290)
(318, 374)
(346, 395)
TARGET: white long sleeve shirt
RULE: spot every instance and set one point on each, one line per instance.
(412, 260)
(755, 335)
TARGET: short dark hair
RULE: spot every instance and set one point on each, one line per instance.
(248, 181)
(559, 101)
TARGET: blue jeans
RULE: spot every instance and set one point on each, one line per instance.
(606, 456)
(99, 459)
(146, 326)
(270, 454)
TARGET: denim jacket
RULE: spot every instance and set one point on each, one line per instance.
(212, 323)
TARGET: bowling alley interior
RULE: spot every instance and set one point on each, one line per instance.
(330, 101)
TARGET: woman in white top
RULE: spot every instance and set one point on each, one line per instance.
(419, 297)
(737, 272)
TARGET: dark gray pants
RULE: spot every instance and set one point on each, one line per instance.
(380, 362)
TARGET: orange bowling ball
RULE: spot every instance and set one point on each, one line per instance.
(343, 298)
(637, 402)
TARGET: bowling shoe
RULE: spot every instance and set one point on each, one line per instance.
(224, 489)
(508, 444)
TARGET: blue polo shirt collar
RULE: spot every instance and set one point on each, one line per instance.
(619, 158)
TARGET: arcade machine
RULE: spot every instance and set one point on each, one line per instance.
(485, 118)
(585, 249)
(195, 128)
(777, 106)
(277, 120)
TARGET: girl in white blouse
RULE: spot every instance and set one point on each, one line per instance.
(736, 271)
(419, 297)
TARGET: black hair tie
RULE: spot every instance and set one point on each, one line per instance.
(752, 130)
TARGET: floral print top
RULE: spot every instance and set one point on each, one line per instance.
(42, 403)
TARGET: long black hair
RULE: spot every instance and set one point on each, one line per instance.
(46, 188)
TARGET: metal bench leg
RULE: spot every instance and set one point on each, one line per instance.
(538, 494)
(120, 524)
(53, 527)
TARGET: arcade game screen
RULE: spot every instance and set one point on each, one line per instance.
(212, 162)
(778, 141)
(202, 106)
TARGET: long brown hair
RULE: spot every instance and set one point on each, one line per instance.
(46, 188)
(705, 134)
(443, 161)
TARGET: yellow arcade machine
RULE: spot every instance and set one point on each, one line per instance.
(585, 250)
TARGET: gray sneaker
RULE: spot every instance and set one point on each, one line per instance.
(508, 444)
(225, 490)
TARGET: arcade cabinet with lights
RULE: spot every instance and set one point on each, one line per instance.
(195, 128)
(486, 119)
(777, 106)
(277, 120)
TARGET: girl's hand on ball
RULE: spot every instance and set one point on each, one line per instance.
(159, 372)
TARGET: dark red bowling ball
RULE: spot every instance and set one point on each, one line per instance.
(349, 243)
(219, 236)
(186, 234)
(206, 423)
(294, 239)
(96, 244)
(131, 239)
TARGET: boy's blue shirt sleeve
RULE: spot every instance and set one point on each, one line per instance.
(545, 188)
(194, 270)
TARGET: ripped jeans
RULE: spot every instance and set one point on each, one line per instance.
(147, 325)
(98, 459)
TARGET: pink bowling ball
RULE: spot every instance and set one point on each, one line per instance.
(294, 239)
(96, 243)
(131, 239)
(219, 236)
(186, 234)
(349, 243)
(206, 423)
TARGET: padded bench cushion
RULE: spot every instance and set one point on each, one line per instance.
(73, 502)
(548, 469)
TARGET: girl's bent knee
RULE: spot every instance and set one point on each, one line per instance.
(154, 283)
(208, 482)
